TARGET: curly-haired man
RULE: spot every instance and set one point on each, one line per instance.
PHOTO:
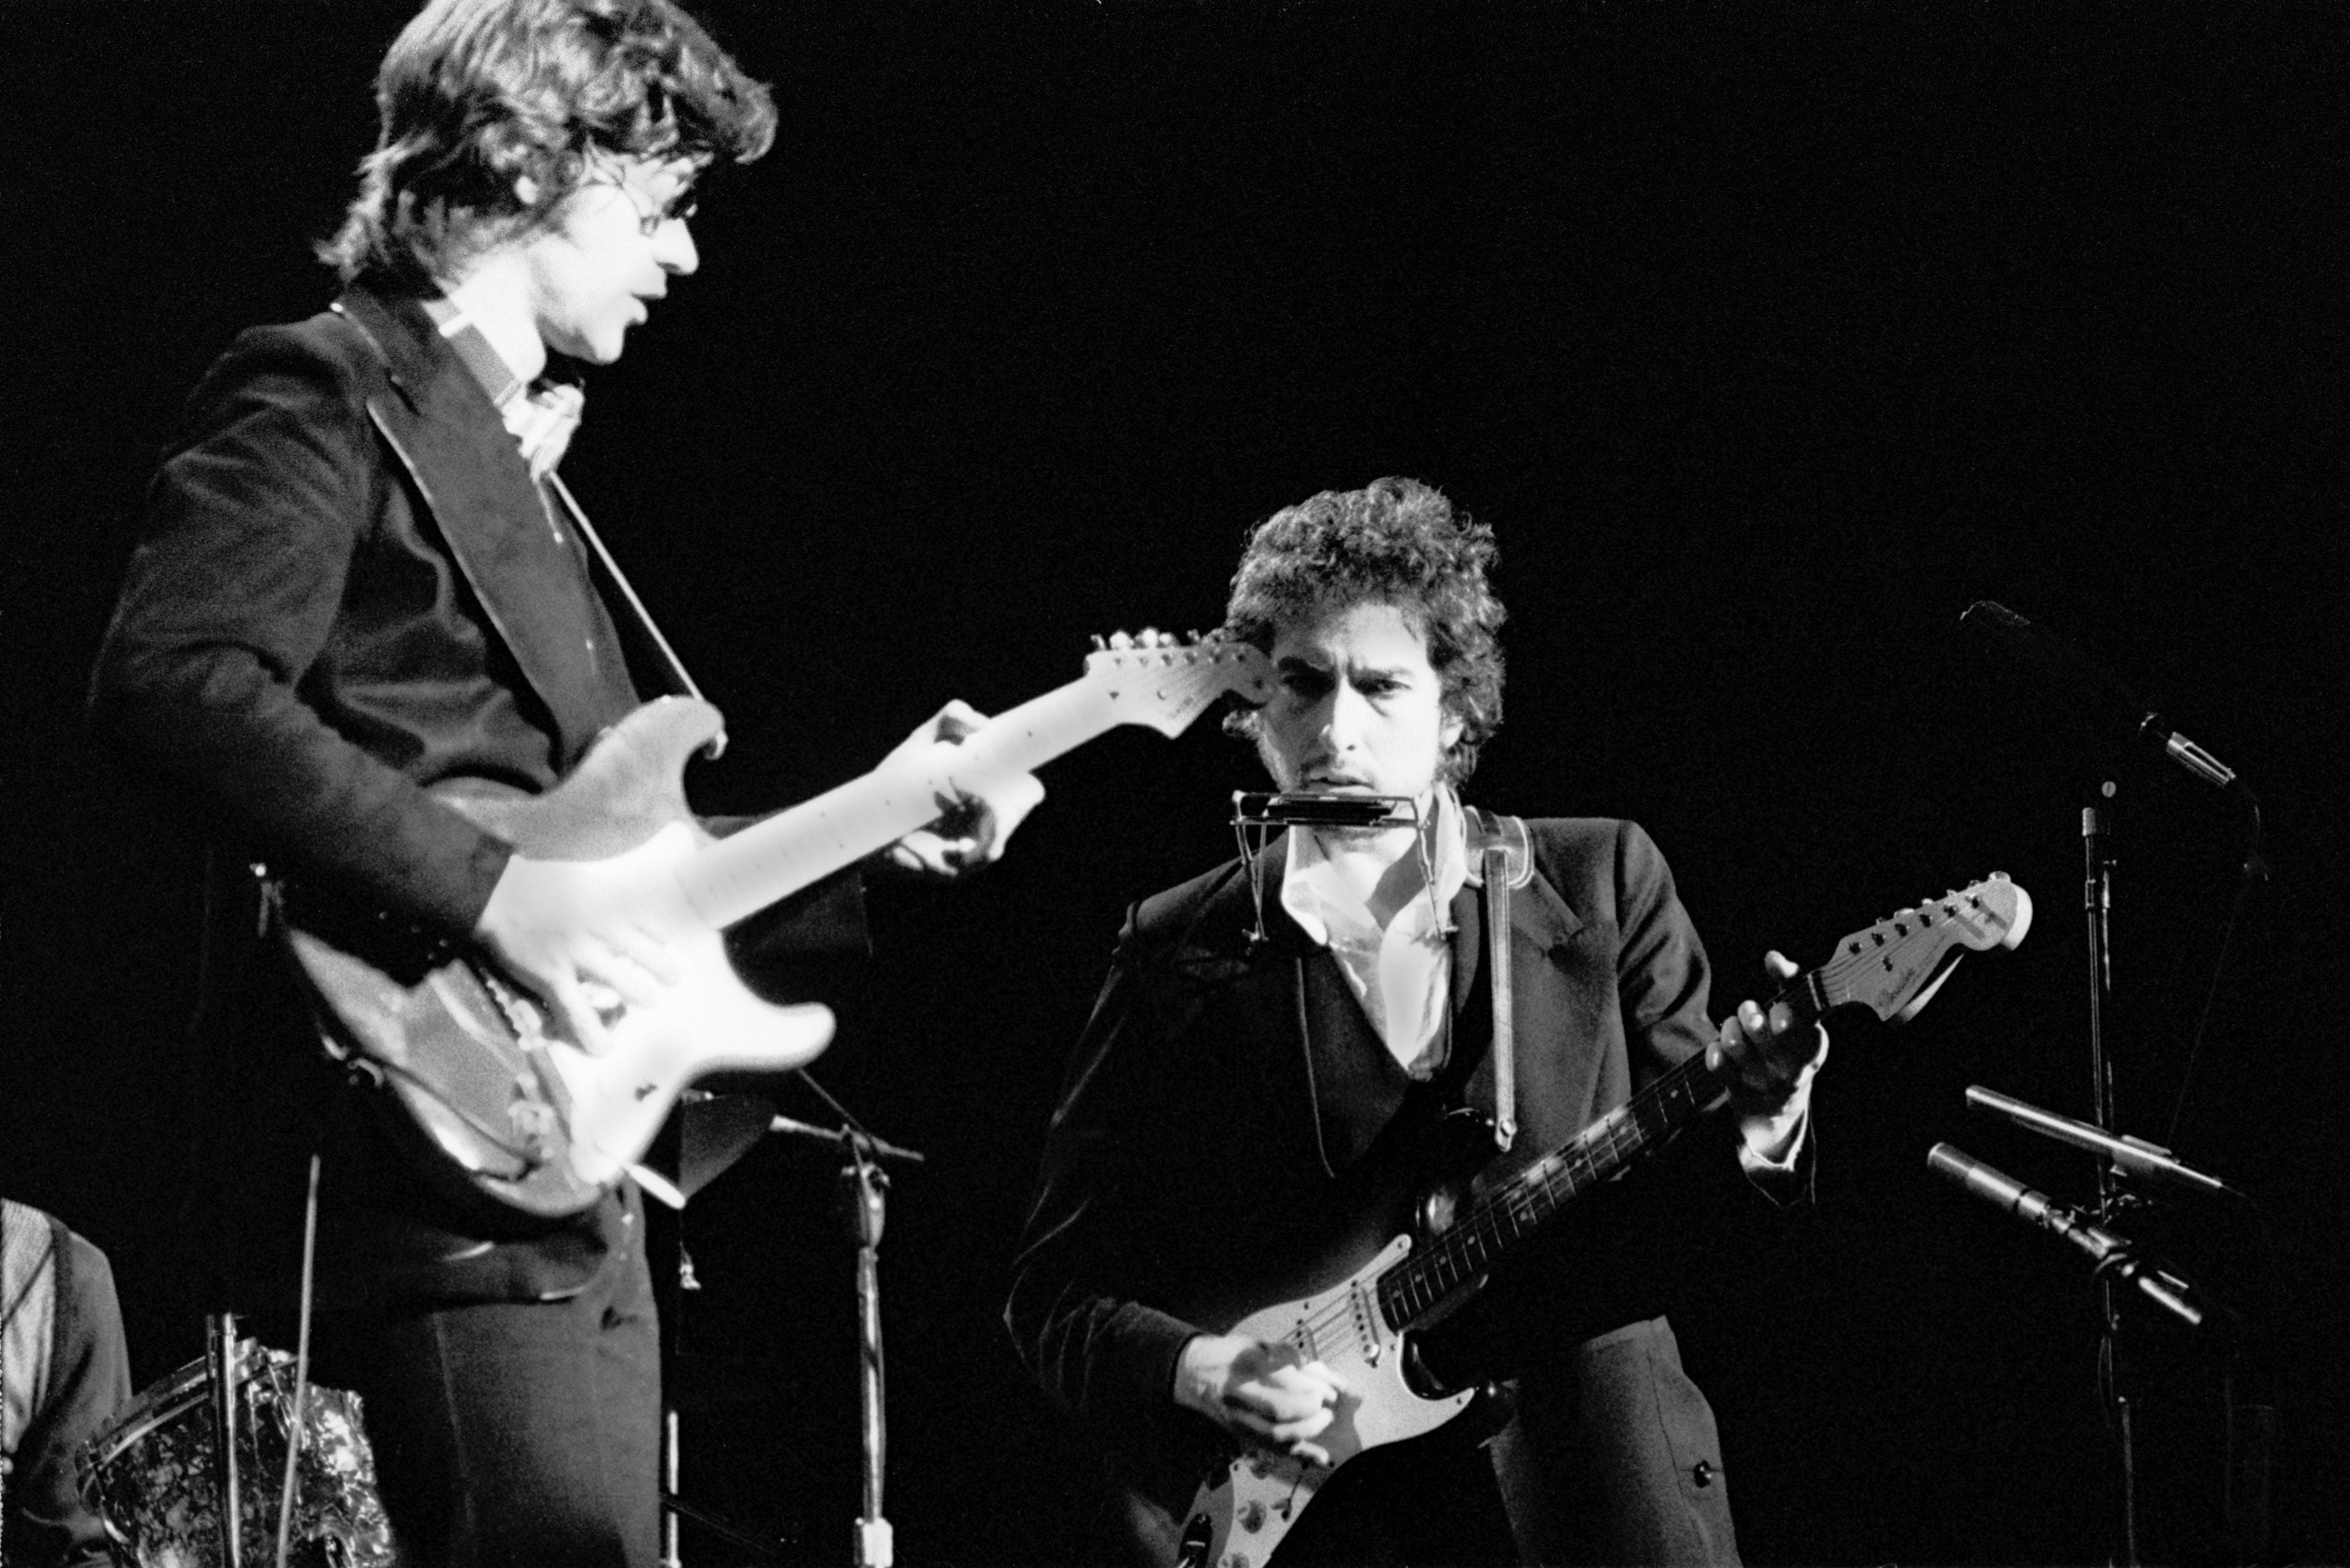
(354, 582)
(1275, 1035)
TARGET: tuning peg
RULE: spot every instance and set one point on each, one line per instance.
(1100, 645)
(1121, 640)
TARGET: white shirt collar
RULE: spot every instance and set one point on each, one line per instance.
(1402, 975)
(1308, 879)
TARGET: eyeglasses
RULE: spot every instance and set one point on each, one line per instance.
(677, 209)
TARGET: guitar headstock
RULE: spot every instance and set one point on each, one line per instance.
(1894, 967)
(1158, 679)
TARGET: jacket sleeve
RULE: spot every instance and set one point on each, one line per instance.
(1671, 1227)
(242, 562)
(1663, 980)
(1102, 1355)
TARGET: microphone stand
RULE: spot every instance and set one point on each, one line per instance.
(2096, 904)
(2249, 1438)
(864, 1188)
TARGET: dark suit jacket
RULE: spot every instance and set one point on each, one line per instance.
(346, 588)
(1208, 1125)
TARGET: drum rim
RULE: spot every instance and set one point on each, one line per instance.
(170, 1397)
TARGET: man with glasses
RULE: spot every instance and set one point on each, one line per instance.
(354, 580)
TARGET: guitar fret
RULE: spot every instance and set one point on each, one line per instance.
(741, 875)
(1462, 1253)
(1249, 1504)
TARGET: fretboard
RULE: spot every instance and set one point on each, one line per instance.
(740, 876)
(1423, 1278)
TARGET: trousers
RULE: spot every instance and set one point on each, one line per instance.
(521, 1433)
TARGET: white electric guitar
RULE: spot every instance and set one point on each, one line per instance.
(1358, 1321)
(497, 1100)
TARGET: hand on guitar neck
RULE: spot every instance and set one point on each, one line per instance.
(1772, 1058)
(983, 822)
(587, 937)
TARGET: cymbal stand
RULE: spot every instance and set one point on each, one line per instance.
(221, 1369)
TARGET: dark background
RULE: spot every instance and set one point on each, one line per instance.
(1768, 337)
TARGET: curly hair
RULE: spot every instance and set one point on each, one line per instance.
(1396, 542)
(475, 95)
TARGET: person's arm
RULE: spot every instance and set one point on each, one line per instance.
(1124, 1368)
(242, 566)
(243, 560)
(1104, 1357)
(89, 1381)
(1665, 981)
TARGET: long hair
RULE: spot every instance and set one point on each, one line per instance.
(1396, 542)
(475, 95)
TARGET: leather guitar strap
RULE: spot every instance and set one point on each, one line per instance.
(1508, 862)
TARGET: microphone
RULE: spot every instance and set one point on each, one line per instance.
(789, 1128)
(2132, 1157)
(2058, 663)
(2111, 1252)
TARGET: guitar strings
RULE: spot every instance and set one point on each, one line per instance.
(1530, 1197)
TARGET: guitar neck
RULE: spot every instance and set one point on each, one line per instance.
(739, 876)
(1428, 1276)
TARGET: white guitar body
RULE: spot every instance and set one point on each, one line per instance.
(497, 1102)
(708, 1022)
(1244, 1508)
(1242, 1511)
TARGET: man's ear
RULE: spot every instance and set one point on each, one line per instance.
(1448, 735)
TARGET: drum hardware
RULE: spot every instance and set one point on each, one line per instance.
(153, 1477)
(220, 1378)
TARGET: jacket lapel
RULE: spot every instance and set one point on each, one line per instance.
(449, 437)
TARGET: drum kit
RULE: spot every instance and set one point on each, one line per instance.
(154, 1476)
(195, 1473)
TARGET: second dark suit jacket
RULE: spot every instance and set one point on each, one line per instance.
(1210, 1117)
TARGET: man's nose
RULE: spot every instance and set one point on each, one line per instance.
(674, 247)
(1342, 721)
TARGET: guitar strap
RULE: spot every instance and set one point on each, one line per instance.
(503, 388)
(680, 682)
(1505, 854)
